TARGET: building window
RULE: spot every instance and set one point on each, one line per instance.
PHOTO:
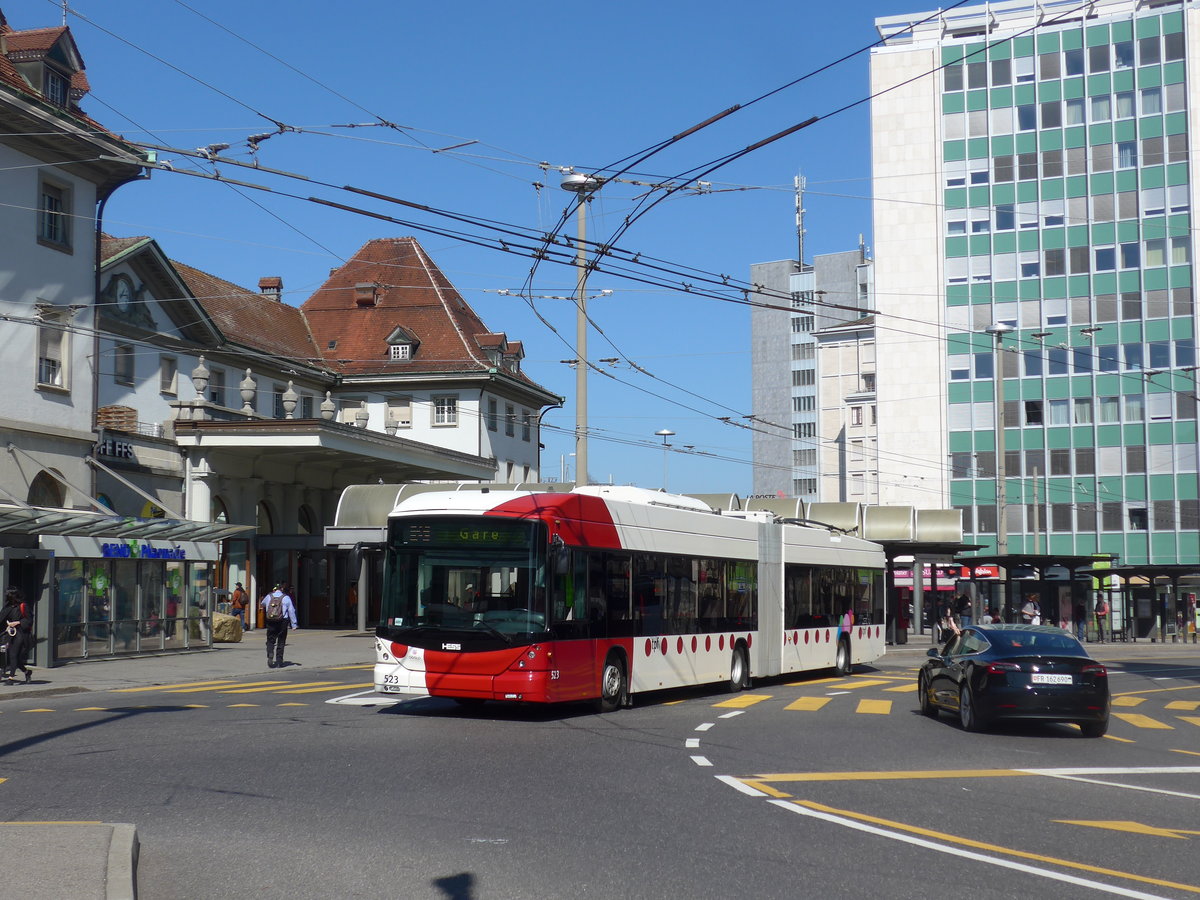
(54, 87)
(804, 430)
(803, 486)
(54, 215)
(1033, 412)
(399, 411)
(868, 382)
(802, 324)
(510, 416)
(52, 352)
(856, 416)
(306, 406)
(493, 414)
(123, 370)
(168, 374)
(400, 351)
(445, 410)
(526, 419)
(216, 387)
(277, 401)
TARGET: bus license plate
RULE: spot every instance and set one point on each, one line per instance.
(1044, 678)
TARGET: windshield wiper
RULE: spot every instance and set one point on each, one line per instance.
(496, 631)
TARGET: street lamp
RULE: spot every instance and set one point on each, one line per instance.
(665, 433)
(998, 331)
(583, 185)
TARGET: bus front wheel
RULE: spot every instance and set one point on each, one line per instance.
(613, 684)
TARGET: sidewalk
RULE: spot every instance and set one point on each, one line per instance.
(103, 856)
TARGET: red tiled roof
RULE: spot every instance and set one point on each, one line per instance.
(411, 293)
(111, 246)
(35, 39)
(250, 319)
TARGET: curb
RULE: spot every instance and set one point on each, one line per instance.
(120, 881)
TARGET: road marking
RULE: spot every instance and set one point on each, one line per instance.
(815, 681)
(91, 709)
(705, 726)
(855, 685)
(1188, 687)
(274, 686)
(345, 668)
(217, 687)
(322, 690)
(241, 705)
(738, 785)
(1137, 720)
(1184, 704)
(742, 701)
(167, 687)
(370, 698)
(893, 776)
(292, 703)
(1133, 828)
(692, 743)
(37, 710)
(701, 761)
(730, 715)
(1128, 701)
(1194, 720)
(1188, 752)
(858, 821)
(808, 704)
(1120, 740)
(874, 707)
(904, 688)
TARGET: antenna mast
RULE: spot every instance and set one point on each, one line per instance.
(800, 181)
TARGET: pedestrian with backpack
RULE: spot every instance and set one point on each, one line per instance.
(279, 613)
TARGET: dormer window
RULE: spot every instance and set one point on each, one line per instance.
(400, 351)
(401, 345)
(54, 87)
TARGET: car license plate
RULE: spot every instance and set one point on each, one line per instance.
(1045, 678)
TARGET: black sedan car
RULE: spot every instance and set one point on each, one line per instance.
(993, 672)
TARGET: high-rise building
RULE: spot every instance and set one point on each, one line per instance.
(1032, 214)
(785, 382)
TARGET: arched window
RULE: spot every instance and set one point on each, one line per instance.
(265, 522)
(305, 519)
(46, 491)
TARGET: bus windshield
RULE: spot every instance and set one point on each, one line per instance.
(484, 575)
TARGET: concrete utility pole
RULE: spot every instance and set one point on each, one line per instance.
(998, 331)
(583, 186)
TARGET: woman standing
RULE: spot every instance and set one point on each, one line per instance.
(16, 620)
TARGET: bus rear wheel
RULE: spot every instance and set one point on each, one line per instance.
(613, 684)
(739, 671)
(842, 664)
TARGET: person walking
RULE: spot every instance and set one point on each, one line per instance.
(16, 635)
(279, 612)
(962, 608)
(238, 603)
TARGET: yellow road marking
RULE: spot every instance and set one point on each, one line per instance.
(1184, 704)
(815, 681)
(168, 687)
(343, 668)
(335, 688)
(892, 776)
(241, 705)
(37, 710)
(980, 845)
(1195, 720)
(1188, 752)
(1132, 828)
(217, 687)
(293, 703)
(855, 685)
(1113, 737)
(884, 677)
(274, 686)
(91, 709)
(742, 701)
(1187, 687)
(904, 688)
(1128, 701)
(808, 704)
(875, 707)
(1137, 720)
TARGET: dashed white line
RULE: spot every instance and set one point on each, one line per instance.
(738, 785)
(705, 726)
(692, 743)
(701, 761)
(730, 715)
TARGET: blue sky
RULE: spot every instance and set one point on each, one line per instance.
(531, 83)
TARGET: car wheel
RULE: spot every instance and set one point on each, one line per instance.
(842, 661)
(1094, 729)
(613, 684)
(739, 671)
(968, 715)
(927, 707)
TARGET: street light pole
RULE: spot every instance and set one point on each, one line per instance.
(998, 331)
(665, 433)
(582, 185)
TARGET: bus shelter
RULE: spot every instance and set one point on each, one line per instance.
(1157, 602)
(1060, 584)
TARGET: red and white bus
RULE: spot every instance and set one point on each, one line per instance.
(603, 592)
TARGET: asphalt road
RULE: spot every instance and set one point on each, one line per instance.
(814, 788)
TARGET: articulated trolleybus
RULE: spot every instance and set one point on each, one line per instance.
(604, 592)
